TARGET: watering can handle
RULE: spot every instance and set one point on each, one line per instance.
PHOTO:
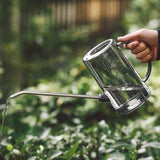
(149, 65)
(148, 71)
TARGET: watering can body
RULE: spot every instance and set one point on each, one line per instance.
(116, 76)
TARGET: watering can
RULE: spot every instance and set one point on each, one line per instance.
(121, 84)
(116, 76)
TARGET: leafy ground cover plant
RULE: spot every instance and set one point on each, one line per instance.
(57, 128)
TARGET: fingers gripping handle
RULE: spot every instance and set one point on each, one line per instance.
(149, 64)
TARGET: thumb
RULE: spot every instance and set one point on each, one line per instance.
(129, 37)
(123, 39)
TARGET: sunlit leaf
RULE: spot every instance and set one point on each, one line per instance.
(56, 154)
(116, 155)
(152, 145)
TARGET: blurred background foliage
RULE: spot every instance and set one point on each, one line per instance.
(39, 53)
(142, 14)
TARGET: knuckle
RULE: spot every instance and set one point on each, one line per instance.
(138, 57)
(147, 50)
(143, 61)
(141, 32)
(133, 51)
(126, 46)
(150, 56)
(143, 45)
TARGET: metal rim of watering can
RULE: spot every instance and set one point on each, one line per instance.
(105, 45)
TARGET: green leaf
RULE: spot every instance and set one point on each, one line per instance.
(152, 145)
(116, 154)
(55, 155)
(120, 144)
(32, 158)
(70, 153)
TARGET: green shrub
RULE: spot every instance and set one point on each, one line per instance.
(142, 14)
(39, 127)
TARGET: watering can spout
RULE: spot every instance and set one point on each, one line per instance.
(101, 97)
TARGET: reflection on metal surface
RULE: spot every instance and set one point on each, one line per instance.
(116, 76)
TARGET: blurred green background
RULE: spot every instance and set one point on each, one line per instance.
(41, 48)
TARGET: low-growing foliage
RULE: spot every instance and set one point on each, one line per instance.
(39, 127)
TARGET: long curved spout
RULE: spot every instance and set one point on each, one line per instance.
(101, 97)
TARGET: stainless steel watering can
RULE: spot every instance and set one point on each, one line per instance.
(116, 76)
(119, 81)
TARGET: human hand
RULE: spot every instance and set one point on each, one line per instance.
(143, 43)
